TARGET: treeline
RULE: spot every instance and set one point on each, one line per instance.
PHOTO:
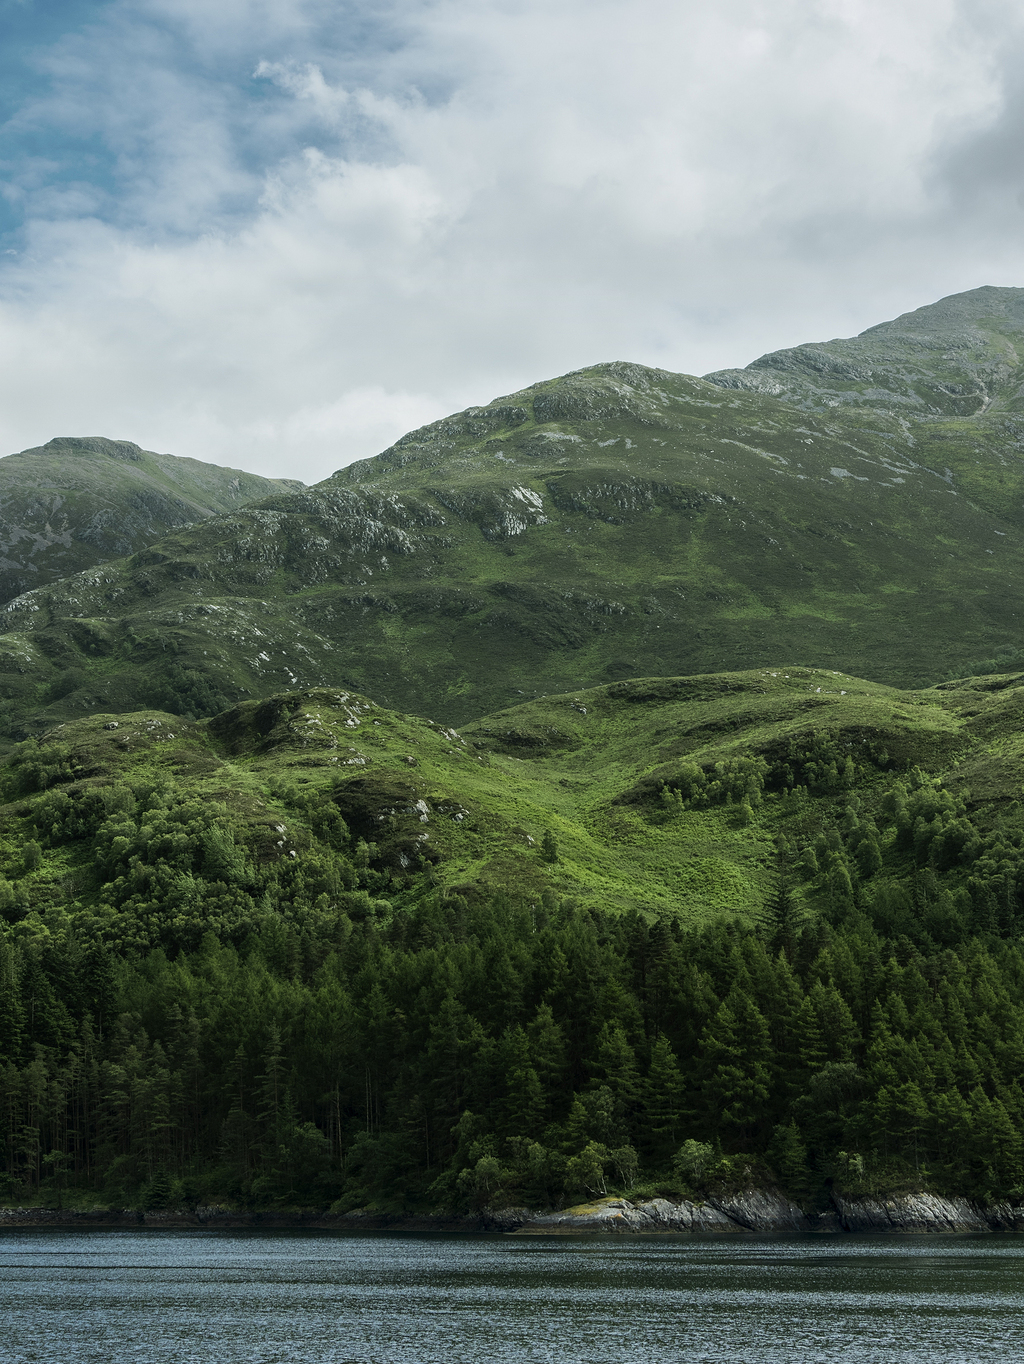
(205, 1020)
(462, 1054)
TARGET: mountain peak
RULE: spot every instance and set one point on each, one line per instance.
(957, 357)
(81, 500)
(94, 445)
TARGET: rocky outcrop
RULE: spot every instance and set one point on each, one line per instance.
(910, 1213)
(1004, 1217)
(925, 1212)
(768, 1210)
(755, 1210)
(762, 1210)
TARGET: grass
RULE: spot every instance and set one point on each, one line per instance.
(586, 766)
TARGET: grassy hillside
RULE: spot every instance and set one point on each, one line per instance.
(666, 796)
(616, 522)
(76, 502)
(959, 357)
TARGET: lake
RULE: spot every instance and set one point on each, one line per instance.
(321, 1297)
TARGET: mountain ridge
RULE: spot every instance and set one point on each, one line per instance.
(616, 521)
(969, 333)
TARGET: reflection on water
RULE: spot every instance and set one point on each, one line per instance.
(141, 1297)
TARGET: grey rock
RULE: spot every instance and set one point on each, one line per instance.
(1004, 1217)
(754, 1210)
(922, 1212)
(769, 1210)
(762, 1210)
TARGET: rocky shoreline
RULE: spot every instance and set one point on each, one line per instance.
(763, 1211)
(753, 1211)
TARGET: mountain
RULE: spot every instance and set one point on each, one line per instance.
(79, 501)
(274, 933)
(618, 521)
(960, 357)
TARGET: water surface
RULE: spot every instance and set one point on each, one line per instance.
(248, 1297)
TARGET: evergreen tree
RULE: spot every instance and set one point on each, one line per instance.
(737, 1061)
(787, 1156)
(664, 1101)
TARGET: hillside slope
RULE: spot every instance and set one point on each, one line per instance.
(959, 357)
(671, 936)
(746, 759)
(618, 521)
(79, 501)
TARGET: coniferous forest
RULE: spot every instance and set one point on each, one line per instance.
(321, 1031)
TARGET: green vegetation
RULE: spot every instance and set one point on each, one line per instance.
(616, 522)
(659, 916)
(74, 503)
(646, 937)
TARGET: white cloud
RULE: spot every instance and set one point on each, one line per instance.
(297, 266)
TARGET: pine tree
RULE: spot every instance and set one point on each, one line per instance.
(781, 916)
(737, 1060)
(547, 1049)
(664, 1101)
(522, 1107)
(787, 1156)
(12, 1011)
(616, 1066)
(839, 1033)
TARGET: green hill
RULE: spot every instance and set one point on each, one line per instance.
(616, 522)
(959, 357)
(665, 796)
(668, 936)
(75, 502)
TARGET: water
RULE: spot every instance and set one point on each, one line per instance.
(194, 1297)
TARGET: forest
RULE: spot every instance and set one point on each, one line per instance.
(204, 1029)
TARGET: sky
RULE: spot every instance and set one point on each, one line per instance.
(277, 234)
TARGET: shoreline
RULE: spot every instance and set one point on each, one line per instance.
(751, 1212)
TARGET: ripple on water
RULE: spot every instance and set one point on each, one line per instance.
(328, 1298)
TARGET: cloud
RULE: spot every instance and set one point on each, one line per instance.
(307, 227)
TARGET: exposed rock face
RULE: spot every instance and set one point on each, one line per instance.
(925, 1212)
(767, 1210)
(762, 1210)
(1005, 1217)
(752, 1210)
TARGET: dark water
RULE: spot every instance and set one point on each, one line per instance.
(323, 1298)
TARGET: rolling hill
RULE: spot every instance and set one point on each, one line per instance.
(667, 937)
(666, 796)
